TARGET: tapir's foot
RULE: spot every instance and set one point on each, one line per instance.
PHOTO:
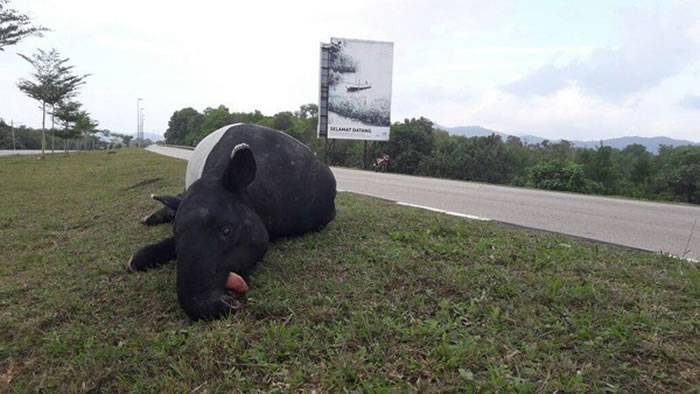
(140, 263)
(161, 216)
(152, 256)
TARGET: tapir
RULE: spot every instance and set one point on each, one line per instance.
(245, 186)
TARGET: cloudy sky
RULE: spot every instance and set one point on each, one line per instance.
(560, 69)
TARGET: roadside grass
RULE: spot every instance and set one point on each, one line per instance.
(387, 298)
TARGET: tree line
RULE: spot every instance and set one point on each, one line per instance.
(23, 137)
(417, 147)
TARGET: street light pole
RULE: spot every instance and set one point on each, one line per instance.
(143, 117)
(139, 141)
(12, 125)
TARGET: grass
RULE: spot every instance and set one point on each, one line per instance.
(387, 298)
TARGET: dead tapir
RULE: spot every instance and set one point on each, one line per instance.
(245, 185)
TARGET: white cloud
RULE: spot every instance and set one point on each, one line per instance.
(656, 45)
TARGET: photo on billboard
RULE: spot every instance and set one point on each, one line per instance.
(359, 89)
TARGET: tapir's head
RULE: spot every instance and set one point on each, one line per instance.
(218, 238)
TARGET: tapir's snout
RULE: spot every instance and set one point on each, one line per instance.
(217, 301)
(211, 305)
(210, 285)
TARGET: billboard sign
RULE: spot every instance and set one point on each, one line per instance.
(355, 100)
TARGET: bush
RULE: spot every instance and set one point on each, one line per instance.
(558, 175)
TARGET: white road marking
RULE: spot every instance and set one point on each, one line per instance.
(689, 259)
(462, 215)
(451, 213)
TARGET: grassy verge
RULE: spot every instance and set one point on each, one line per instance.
(386, 297)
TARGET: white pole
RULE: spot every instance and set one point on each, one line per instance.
(14, 146)
(139, 143)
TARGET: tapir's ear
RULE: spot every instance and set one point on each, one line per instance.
(171, 202)
(241, 168)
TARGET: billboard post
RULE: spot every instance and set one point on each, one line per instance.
(355, 90)
(323, 94)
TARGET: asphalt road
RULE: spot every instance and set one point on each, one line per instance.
(10, 152)
(652, 226)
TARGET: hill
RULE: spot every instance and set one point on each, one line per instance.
(471, 131)
(652, 144)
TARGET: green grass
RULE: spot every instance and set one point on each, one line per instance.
(387, 298)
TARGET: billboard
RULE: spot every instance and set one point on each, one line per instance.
(355, 99)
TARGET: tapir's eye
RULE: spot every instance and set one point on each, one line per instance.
(226, 231)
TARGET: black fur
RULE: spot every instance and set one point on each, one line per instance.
(154, 255)
(161, 216)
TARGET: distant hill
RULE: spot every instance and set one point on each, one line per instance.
(471, 131)
(152, 136)
(530, 139)
(651, 143)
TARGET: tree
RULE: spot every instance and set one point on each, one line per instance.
(53, 82)
(307, 111)
(558, 175)
(183, 123)
(68, 113)
(126, 139)
(15, 26)
(282, 120)
(410, 142)
(600, 166)
(635, 167)
(85, 126)
(214, 119)
(679, 174)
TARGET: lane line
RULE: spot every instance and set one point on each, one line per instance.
(451, 213)
(689, 259)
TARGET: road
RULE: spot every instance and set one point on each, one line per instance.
(657, 227)
(10, 152)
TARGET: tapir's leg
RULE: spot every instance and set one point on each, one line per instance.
(163, 215)
(152, 256)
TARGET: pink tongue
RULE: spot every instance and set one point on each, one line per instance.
(236, 283)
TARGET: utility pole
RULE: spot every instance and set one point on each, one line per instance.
(143, 117)
(139, 123)
(12, 125)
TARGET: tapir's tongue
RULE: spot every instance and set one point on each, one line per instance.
(236, 283)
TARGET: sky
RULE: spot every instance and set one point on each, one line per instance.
(579, 70)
